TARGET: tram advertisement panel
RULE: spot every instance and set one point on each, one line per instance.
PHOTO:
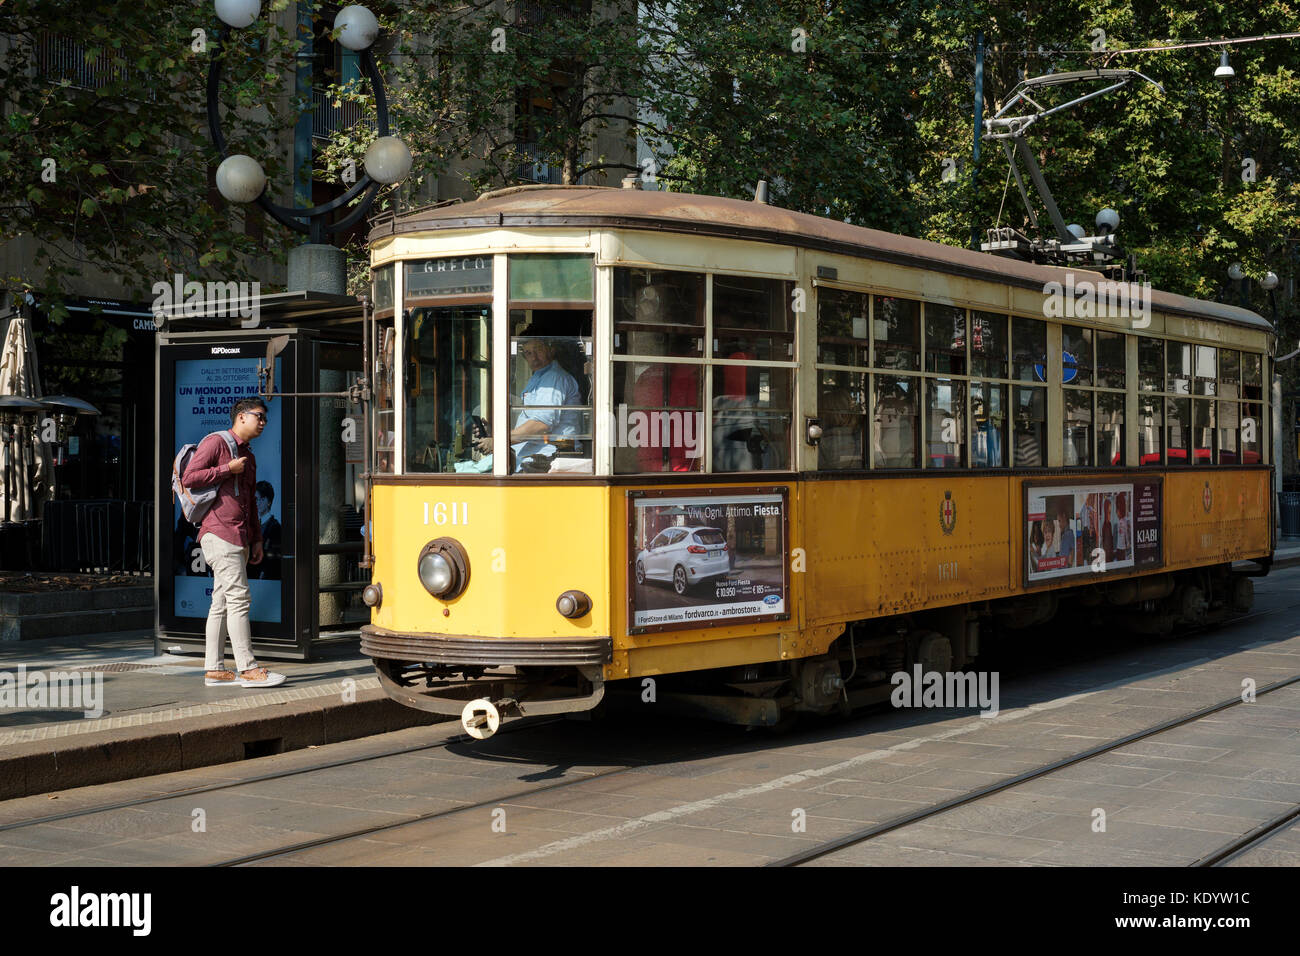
(1088, 529)
(705, 558)
(205, 391)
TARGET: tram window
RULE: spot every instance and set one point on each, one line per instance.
(1151, 364)
(1252, 368)
(551, 367)
(1179, 369)
(658, 313)
(896, 331)
(1178, 424)
(1206, 369)
(842, 327)
(946, 420)
(552, 278)
(1110, 429)
(385, 395)
(945, 339)
(988, 344)
(1029, 424)
(659, 419)
(383, 291)
(895, 428)
(988, 409)
(1076, 355)
(1252, 429)
(1228, 426)
(753, 319)
(1029, 350)
(1111, 360)
(752, 409)
(1150, 434)
(842, 408)
(1229, 373)
(447, 388)
(1078, 427)
(1202, 432)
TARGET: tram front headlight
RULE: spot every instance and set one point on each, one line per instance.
(443, 568)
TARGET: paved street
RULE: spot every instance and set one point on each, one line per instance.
(641, 789)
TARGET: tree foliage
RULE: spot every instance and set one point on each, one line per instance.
(104, 140)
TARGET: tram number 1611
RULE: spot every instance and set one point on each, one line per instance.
(443, 513)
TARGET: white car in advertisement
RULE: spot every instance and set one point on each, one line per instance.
(684, 557)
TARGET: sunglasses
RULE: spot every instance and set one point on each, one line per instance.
(258, 415)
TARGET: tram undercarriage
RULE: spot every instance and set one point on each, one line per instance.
(859, 670)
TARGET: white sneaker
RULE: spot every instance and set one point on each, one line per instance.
(262, 678)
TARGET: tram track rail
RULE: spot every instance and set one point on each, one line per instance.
(260, 778)
(1229, 851)
(1225, 854)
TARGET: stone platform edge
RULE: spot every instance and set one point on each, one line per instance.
(82, 760)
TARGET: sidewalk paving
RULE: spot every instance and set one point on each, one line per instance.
(158, 716)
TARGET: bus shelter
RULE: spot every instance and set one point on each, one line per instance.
(306, 350)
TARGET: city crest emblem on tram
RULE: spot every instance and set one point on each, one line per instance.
(1207, 497)
(947, 513)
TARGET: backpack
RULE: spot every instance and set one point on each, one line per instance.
(196, 504)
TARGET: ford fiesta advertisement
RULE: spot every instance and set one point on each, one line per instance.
(698, 560)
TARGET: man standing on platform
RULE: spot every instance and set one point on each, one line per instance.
(231, 538)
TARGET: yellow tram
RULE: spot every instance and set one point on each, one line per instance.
(767, 458)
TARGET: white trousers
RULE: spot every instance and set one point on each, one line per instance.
(230, 603)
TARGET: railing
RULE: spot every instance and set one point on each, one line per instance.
(328, 118)
(60, 58)
(535, 169)
(97, 536)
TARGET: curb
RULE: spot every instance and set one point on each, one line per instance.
(44, 766)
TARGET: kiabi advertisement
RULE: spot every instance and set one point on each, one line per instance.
(206, 389)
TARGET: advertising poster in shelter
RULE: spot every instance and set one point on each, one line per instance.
(205, 391)
(698, 560)
(1087, 529)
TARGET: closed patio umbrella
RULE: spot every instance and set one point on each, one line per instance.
(29, 465)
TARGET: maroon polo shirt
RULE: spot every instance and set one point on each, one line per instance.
(232, 519)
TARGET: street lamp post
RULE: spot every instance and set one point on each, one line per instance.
(315, 265)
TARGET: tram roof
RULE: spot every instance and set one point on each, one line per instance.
(612, 207)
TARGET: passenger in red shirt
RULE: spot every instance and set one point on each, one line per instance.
(231, 538)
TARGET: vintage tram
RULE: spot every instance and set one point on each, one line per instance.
(767, 459)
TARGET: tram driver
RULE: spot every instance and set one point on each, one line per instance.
(548, 388)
